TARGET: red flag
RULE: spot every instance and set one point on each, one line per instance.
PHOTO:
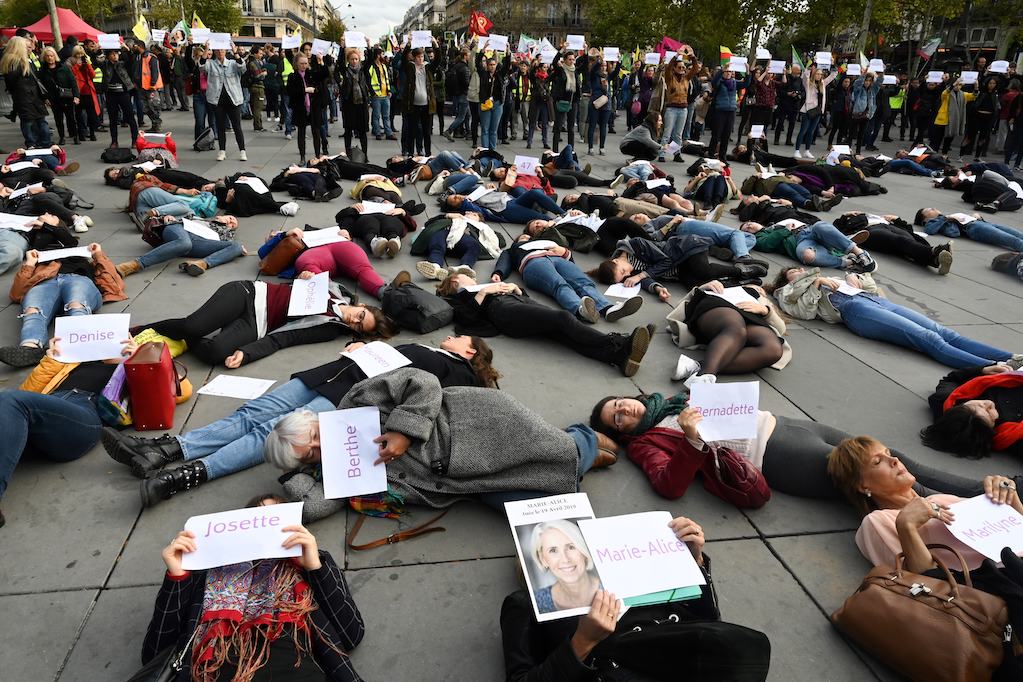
(479, 25)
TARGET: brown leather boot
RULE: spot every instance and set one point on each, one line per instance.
(128, 268)
(194, 267)
(607, 452)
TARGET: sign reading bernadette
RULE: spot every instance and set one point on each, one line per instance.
(348, 453)
(987, 527)
(241, 535)
(729, 410)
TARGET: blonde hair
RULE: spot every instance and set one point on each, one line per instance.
(569, 529)
(79, 51)
(845, 464)
(49, 50)
(16, 57)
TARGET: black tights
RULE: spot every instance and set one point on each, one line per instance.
(230, 309)
(226, 109)
(520, 319)
(697, 269)
(369, 227)
(735, 347)
(566, 178)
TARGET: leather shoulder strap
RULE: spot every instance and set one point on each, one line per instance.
(421, 529)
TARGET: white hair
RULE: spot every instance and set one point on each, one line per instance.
(570, 529)
(292, 429)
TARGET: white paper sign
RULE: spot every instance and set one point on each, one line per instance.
(547, 56)
(846, 288)
(255, 183)
(39, 152)
(287, 42)
(673, 147)
(889, 80)
(147, 166)
(158, 35)
(239, 535)
(497, 42)
(321, 47)
(309, 296)
(876, 65)
(961, 218)
(220, 41)
(917, 151)
(987, 527)
(231, 386)
(12, 221)
(20, 166)
(729, 410)
(637, 554)
(776, 66)
(84, 338)
(371, 207)
(763, 53)
(355, 39)
(734, 295)
(421, 39)
(538, 244)
(479, 192)
(201, 35)
(200, 229)
(852, 69)
(823, 59)
(756, 131)
(24, 190)
(969, 77)
(57, 254)
(934, 76)
(653, 58)
(999, 66)
(377, 358)
(612, 54)
(841, 148)
(328, 235)
(526, 165)
(738, 64)
(109, 41)
(348, 452)
(621, 291)
(657, 182)
(575, 42)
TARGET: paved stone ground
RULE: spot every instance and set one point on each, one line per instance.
(81, 560)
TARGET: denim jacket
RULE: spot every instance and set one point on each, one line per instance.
(864, 99)
(944, 226)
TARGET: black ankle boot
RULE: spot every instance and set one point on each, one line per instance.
(143, 455)
(171, 481)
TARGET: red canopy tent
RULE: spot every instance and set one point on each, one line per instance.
(70, 25)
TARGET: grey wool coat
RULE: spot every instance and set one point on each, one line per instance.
(491, 441)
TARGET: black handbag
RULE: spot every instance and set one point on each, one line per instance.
(65, 93)
(415, 309)
(165, 666)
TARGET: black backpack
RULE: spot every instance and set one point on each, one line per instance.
(206, 141)
(415, 309)
(118, 155)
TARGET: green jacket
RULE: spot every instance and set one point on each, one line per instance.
(777, 239)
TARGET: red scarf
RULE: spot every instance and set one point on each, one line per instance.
(1006, 433)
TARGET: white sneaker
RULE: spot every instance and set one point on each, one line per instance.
(618, 181)
(623, 309)
(289, 209)
(797, 154)
(393, 247)
(378, 246)
(431, 270)
(463, 270)
(700, 379)
(588, 310)
(808, 155)
(221, 155)
(685, 368)
(242, 156)
(287, 136)
(79, 224)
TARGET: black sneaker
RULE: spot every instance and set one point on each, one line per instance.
(623, 309)
(21, 356)
(637, 347)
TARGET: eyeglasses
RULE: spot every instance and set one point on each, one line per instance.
(617, 407)
(358, 324)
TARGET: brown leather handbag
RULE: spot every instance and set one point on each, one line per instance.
(282, 256)
(927, 628)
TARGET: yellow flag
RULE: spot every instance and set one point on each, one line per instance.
(141, 29)
(196, 21)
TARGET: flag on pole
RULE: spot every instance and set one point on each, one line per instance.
(141, 29)
(864, 62)
(479, 25)
(796, 61)
(180, 26)
(928, 49)
(196, 21)
(726, 55)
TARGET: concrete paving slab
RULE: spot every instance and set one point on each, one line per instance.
(39, 630)
(122, 616)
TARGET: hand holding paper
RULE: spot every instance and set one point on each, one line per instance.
(234, 536)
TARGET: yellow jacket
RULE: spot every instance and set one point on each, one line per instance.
(942, 118)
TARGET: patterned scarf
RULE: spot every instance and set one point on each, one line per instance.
(245, 607)
(658, 407)
(308, 105)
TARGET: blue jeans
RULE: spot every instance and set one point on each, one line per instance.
(878, 318)
(53, 295)
(460, 183)
(445, 160)
(562, 280)
(381, 116)
(820, 238)
(461, 103)
(739, 242)
(61, 426)
(565, 160)
(163, 201)
(467, 249)
(36, 132)
(641, 172)
(999, 235)
(795, 193)
(489, 120)
(286, 109)
(598, 117)
(12, 249)
(675, 119)
(807, 128)
(203, 114)
(178, 243)
(909, 164)
(236, 442)
(529, 206)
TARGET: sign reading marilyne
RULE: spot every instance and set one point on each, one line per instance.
(987, 527)
(348, 453)
(241, 535)
(84, 338)
(729, 410)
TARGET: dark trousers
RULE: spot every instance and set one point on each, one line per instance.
(64, 110)
(368, 227)
(522, 320)
(88, 119)
(227, 110)
(898, 242)
(784, 115)
(466, 250)
(119, 106)
(231, 310)
(721, 132)
(839, 127)
(564, 118)
(415, 130)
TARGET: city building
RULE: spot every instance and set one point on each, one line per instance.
(270, 18)
(553, 19)
(423, 15)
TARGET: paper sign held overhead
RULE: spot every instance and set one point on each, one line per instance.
(547, 56)
(653, 58)
(526, 165)
(288, 42)
(987, 527)
(611, 54)
(969, 77)
(497, 42)
(84, 338)
(355, 39)
(376, 358)
(668, 56)
(763, 53)
(729, 409)
(348, 452)
(575, 42)
(321, 47)
(756, 131)
(230, 386)
(822, 59)
(421, 39)
(158, 35)
(201, 35)
(239, 535)
(776, 66)
(220, 41)
(889, 80)
(328, 235)
(999, 66)
(738, 64)
(309, 296)
(876, 65)
(109, 41)
(934, 76)
(853, 69)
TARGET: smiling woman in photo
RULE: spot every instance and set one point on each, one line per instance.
(557, 547)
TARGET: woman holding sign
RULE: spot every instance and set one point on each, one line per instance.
(291, 619)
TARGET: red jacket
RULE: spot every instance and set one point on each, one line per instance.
(668, 459)
(166, 142)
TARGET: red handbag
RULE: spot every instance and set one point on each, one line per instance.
(152, 386)
(730, 476)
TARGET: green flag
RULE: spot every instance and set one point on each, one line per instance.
(796, 61)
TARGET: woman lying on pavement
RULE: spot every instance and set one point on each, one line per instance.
(169, 239)
(442, 445)
(892, 235)
(236, 442)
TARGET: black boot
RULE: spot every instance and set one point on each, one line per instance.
(143, 455)
(171, 481)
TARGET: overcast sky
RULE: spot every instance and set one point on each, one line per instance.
(372, 17)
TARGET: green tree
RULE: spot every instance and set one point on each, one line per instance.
(332, 29)
(219, 15)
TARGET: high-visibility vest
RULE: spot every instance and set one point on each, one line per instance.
(97, 76)
(147, 76)
(381, 87)
(288, 69)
